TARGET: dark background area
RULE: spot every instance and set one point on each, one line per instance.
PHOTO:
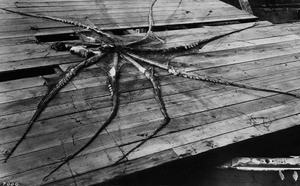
(275, 11)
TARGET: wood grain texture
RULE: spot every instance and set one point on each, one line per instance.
(204, 116)
(119, 14)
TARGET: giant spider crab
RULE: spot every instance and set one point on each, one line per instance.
(98, 46)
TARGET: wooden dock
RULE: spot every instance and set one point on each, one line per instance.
(205, 116)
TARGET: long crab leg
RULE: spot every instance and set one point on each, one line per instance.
(113, 81)
(54, 86)
(149, 32)
(182, 48)
(75, 23)
(188, 75)
(157, 95)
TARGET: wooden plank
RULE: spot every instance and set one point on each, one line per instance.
(292, 27)
(169, 35)
(277, 102)
(97, 170)
(47, 53)
(107, 2)
(91, 116)
(224, 127)
(98, 103)
(15, 41)
(263, 164)
(28, 93)
(49, 56)
(147, 162)
(117, 18)
(121, 8)
(111, 16)
(84, 82)
(233, 137)
(202, 113)
(9, 96)
(82, 169)
(114, 25)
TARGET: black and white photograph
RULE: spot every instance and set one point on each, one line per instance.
(149, 92)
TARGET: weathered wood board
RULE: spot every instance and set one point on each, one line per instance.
(24, 31)
(205, 116)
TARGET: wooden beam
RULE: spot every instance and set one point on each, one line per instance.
(263, 164)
